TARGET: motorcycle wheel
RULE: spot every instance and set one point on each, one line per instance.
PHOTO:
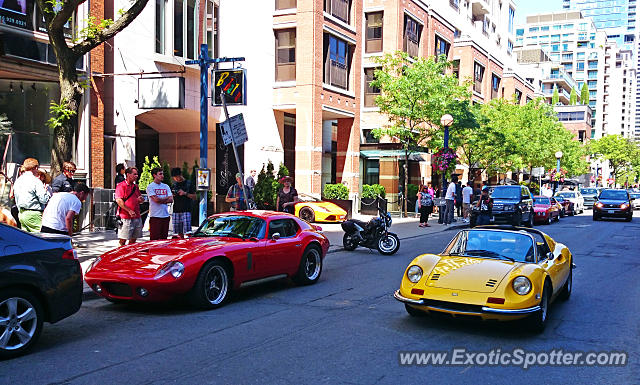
(388, 245)
(349, 243)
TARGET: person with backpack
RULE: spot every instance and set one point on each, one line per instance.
(236, 196)
(425, 202)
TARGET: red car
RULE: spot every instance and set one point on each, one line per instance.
(227, 252)
(546, 209)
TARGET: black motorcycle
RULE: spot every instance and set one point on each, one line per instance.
(372, 235)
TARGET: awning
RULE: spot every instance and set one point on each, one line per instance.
(377, 154)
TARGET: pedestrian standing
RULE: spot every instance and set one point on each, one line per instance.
(467, 195)
(449, 198)
(64, 182)
(159, 198)
(62, 209)
(459, 198)
(485, 205)
(236, 195)
(119, 174)
(128, 198)
(251, 180)
(425, 202)
(184, 192)
(31, 196)
(287, 196)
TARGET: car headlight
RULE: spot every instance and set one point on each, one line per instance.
(624, 206)
(174, 268)
(95, 262)
(522, 285)
(599, 205)
(414, 273)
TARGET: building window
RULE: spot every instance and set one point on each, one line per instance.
(577, 116)
(442, 47)
(178, 24)
(370, 92)
(512, 14)
(336, 62)
(455, 4)
(478, 75)
(509, 47)
(580, 66)
(160, 25)
(495, 86)
(372, 171)
(412, 31)
(518, 95)
(285, 55)
(373, 36)
(456, 68)
(212, 28)
(285, 4)
(184, 28)
(338, 8)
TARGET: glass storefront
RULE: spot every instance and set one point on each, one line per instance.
(26, 105)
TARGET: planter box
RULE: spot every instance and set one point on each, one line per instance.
(369, 206)
(345, 204)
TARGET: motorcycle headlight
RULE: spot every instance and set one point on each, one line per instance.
(389, 221)
(174, 268)
(522, 285)
(414, 273)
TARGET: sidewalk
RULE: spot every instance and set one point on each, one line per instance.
(91, 245)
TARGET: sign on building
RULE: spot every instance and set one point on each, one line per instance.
(234, 129)
(232, 83)
(537, 172)
(166, 92)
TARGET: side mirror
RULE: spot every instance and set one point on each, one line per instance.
(275, 236)
(550, 256)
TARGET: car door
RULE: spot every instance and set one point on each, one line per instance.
(250, 257)
(526, 203)
(556, 267)
(285, 252)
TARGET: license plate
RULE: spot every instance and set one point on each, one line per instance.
(610, 211)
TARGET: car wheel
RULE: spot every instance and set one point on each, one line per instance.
(349, 243)
(538, 320)
(413, 312)
(307, 214)
(212, 286)
(472, 221)
(549, 219)
(388, 245)
(20, 322)
(565, 293)
(530, 221)
(629, 218)
(563, 213)
(595, 217)
(517, 220)
(310, 267)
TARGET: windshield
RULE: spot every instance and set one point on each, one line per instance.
(541, 201)
(493, 244)
(567, 194)
(559, 199)
(307, 198)
(635, 195)
(235, 226)
(589, 191)
(506, 192)
(613, 194)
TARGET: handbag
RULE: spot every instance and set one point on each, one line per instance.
(119, 221)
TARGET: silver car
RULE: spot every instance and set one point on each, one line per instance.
(635, 202)
(575, 197)
(590, 195)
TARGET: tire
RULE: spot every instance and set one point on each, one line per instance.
(563, 213)
(472, 221)
(565, 293)
(310, 267)
(549, 220)
(23, 316)
(348, 242)
(629, 218)
(307, 214)
(212, 286)
(538, 320)
(413, 312)
(389, 245)
(595, 217)
(517, 221)
(530, 221)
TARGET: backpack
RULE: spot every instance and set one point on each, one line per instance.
(425, 199)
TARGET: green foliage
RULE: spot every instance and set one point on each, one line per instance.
(60, 114)
(555, 98)
(185, 171)
(282, 171)
(372, 191)
(533, 187)
(166, 173)
(573, 97)
(264, 193)
(93, 28)
(621, 153)
(584, 94)
(412, 191)
(145, 176)
(335, 191)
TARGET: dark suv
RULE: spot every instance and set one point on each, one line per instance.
(613, 203)
(512, 204)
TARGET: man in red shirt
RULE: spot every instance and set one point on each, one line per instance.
(128, 198)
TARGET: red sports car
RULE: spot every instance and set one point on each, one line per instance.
(546, 210)
(228, 251)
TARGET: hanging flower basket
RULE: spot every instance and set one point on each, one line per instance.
(445, 159)
(554, 175)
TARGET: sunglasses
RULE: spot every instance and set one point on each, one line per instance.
(71, 171)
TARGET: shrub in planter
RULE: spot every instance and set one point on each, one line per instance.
(412, 196)
(335, 191)
(372, 191)
(370, 201)
(264, 193)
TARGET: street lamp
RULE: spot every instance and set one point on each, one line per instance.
(446, 121)
(558, 157)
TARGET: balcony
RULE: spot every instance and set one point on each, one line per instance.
(562, 78)
(479, 7)
(563, 95)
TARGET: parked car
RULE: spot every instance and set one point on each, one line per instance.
(589, 195)
(315, 210)
(546, 210)
(566, 207)
(613, 203)
(491, 273)
(635, 202)
(574, 197)
(228, 251)
(512, 204)
(40, 281)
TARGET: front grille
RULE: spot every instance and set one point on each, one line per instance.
(434, 277)
(118, 289)
(491, 283)
(455, 306)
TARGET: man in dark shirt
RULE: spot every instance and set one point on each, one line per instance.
(64, 182)
(183, 193)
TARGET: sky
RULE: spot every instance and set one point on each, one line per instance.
(529, 7)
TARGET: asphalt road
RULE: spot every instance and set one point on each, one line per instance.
(348, 329)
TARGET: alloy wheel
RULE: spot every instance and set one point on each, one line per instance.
(18, 323)
(312, 264)
(216, 284)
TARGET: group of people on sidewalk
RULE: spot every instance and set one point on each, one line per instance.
(43, 205)
(286, 197)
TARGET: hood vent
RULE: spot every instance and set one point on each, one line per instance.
(434, 277)
(491, 283)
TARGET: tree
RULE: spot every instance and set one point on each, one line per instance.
(414, 94)
(56, 14)
(264, 192)
(619, 151)
(145, 175)
(584, 94)
(573, 97)
(555, 98)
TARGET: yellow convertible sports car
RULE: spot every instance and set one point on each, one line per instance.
(491, 273)
(314, 210)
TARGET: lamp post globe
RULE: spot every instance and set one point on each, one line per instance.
(446, 120)
(559, 154)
